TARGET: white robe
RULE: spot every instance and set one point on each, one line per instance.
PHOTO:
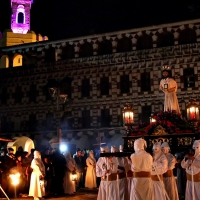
(37, 190)
(142, 188)
(195, 168)
(171, 101)
(160, 167)
(107, 188)
(90, 178)
(170, 182)
(69, 186)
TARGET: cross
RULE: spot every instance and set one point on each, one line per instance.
(100, 143)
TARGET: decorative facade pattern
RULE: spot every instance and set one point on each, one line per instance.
(122, 57)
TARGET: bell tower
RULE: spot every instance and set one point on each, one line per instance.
(20, 17)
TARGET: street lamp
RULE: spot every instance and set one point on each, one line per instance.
(128, 117)
(193, 112)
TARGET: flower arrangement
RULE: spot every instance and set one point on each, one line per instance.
(169, 121)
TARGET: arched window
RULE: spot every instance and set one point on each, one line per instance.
(20, 15)
(68, 52)
(86, 50)
(165, 39)
(144, 42)
(187, 36)
(50, 55)
(20, 18)
(4, 62)
(17, 60)
(105, 47)
(124, 45)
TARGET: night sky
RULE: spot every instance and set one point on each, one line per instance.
(59, 19)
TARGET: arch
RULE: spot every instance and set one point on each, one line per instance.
(20, 15)
(20, 18)
(165, 39)
(4, 62)
(17, 60)
(124, 45)
(86, 50)
(26, 143)
(144, 42)
(105, 47)
(187, 36)
(68, 52)
(50, 54)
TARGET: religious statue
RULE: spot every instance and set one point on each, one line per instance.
(169, 86)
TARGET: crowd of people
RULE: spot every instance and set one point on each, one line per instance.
(46, 173)
(137, 177)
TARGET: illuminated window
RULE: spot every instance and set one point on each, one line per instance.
(20, 15)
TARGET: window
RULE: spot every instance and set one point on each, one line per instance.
(85, 88)
(86, 50)
(145, 81)
(86, 119)
(104, 86)
(165, 39)
(49, 121)
(105, 47)
(144, 42)
(124, 84)
(105, 118)
(32, 122)
(68, 52)
(50, 55)
(20, 18)
(146, 113)
(18, 94)
(32, 93)
(187, 36)
(188, 75)
(19, 60)
(4, 96)
(124, 45)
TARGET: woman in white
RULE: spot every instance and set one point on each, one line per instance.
(90, 179)
(37, 189)
(68, 184)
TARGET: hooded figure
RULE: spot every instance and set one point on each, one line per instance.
(90, 178)
(37, 177)
(168, 177)
(192, 166)
(169, 87)
(160, 166)
(106, 168)
(69, 185)
(142, 185)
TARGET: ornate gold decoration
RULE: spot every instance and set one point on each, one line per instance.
(161, 140)
(159, 130)
(185, 141)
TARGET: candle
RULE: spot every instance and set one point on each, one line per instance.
(192, 113)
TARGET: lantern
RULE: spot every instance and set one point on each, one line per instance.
(74, 176)
(192, 111)
(15, 178)
(128, 115)
(152, 120)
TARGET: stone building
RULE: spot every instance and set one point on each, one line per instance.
(99, 74)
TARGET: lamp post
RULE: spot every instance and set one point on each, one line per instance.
(193, 113)
(128, 118)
